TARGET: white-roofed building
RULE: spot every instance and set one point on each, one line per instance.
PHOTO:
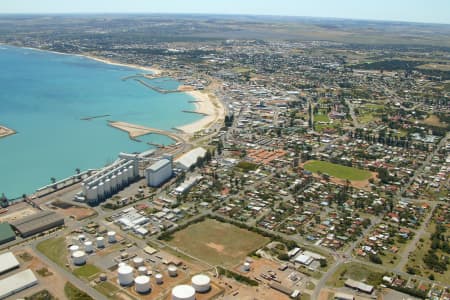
(304, 259)
(16, 283)
(159, 172)
(8, 262)
(189, 159)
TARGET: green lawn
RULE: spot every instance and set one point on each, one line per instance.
(355, 271)
(337, 171)
(55, 249)
(217, 243)
(321, 118)
(73, 293)
(106, 288)
(86, 271)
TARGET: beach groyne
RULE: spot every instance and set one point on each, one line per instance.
(5, 131)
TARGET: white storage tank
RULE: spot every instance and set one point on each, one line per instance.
(111, 236)
(142, 284)
(159, 278)
(138, 261)
(122, 264)
(79, 258)
(125, 275)
(183, 292)
(201, 283)
(173, 271)
(88, 247)
(73, 249)
(142, 270)
(81, 237)
(100, 242)
(246, 266)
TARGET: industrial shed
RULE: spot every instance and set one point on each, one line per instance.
(16, 283)
(6, 233)
(360, 286)
(8, 262)
(187, 160)
(37, 223)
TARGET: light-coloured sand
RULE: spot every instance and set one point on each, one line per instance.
(5, 131)
(132, 129)
(210, 106)
(153, 70)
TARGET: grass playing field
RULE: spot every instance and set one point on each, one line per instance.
(337, 171)
(217, 243)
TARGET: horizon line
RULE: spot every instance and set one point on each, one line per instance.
(218, 14)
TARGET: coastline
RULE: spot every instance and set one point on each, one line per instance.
(211, 107)
(204, 103)
(5, 131)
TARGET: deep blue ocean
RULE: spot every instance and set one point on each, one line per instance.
(44, 96)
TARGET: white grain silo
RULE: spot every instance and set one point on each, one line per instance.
(246, 266)
(73, 249)
(159, 278)
(79, 258)
(138, 261)
(142, 284)
(120, 180)
(201, 283)
(183, 292)
(172, 270)
(125, 275)
(130, 173)
(115, 183)
(100, 242)
(88, 247)
(111, 236)
(107, 188)
(91, 193)
(142, 270)
(101, 191)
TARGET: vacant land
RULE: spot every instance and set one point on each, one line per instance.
(73, 293)
(86, 271)
(337, 171)
(55, 249)
(355, 271)
(217, 243)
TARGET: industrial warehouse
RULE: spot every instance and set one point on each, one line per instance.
(6, 233)
(37, 223)
(189, 159)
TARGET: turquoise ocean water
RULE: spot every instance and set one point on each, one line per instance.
(43, 97)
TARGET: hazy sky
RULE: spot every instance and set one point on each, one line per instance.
(435, 11)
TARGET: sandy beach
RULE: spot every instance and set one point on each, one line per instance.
(5, 131)
(155, 71)
(210, 106)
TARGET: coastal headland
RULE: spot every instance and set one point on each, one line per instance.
(5, 131)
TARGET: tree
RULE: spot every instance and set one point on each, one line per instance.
(375, 259)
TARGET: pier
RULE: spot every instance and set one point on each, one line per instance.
(155, 88)
(194, 112)
(94, 117)
(135, 131)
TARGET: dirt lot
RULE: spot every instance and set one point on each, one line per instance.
(217, 243)
(48, 278)
(70, 210)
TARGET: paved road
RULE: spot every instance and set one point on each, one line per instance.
(412, 245)
(69, 276)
